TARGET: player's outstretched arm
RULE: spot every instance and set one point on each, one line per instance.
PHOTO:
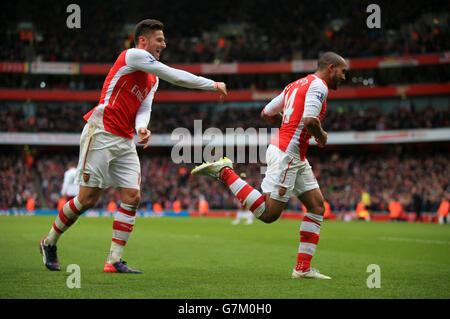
(144, 61)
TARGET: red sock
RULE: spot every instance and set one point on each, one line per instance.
(309, 238)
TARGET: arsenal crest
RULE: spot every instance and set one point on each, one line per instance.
(86, 177)
(282, 191)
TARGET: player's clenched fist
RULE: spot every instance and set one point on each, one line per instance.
(144, 135)
(222, 88)
(322, 140)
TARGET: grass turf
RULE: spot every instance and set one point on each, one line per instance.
(190, 258)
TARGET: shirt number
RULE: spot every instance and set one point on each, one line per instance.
(289, 106)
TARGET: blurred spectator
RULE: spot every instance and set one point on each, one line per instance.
(176, 206)
(417, 199)
(62, 201)
(203, 207)
(362, 213)
(396, 211)
(112, 207)
(443, 210)
(31, 204)
(157, 208)
(327, 212)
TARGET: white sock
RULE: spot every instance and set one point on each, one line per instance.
(122, 227)
(115, 253)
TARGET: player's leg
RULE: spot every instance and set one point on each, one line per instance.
(274, 208)
(262, 206)
(87, 198)
(124, 221)
(125, 172)
(222, 170)
(67, 216)
(90, 173)
(309, 235)
(311, 196)
(310, 228)
(267, 207)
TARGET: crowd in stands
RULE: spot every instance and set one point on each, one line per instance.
(51, 169)
(45, 117)
(229, 31)
(17, 188)
(42, 117)
(343, 178)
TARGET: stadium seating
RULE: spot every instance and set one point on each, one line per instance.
(247, 33)
(243, 34)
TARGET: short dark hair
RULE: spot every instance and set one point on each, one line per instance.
(146, 26)
(329, 58)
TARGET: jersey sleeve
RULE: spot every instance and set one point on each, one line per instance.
(145, 110)
(143, 61)
(315, 96)
(275, 106)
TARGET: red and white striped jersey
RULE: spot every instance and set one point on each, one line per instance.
(305, 97)
(129, 88)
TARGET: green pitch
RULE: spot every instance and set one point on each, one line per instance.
(209, 258)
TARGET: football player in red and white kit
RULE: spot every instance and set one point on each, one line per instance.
(302, 105)
(108, 154)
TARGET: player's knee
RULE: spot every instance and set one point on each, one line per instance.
(269, 217)
(88, 200)
(132, 198)
(318, 209)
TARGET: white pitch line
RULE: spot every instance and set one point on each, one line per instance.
(422, 241)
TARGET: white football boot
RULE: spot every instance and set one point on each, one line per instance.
(212, 169)
(312, 273)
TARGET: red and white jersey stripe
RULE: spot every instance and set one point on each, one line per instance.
(305, 97)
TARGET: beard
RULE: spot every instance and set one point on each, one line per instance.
(336, 82)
